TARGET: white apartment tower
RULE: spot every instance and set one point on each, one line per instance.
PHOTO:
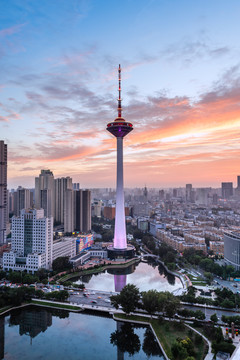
(32, 242)
(3, 191)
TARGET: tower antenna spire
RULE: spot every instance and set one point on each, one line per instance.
(119, 93)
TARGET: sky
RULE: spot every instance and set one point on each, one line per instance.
(180, 89)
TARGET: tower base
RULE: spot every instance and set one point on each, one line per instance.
(127, 253)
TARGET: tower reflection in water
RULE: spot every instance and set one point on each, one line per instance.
(120, 281)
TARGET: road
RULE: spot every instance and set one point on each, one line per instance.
(208, 311)
(92, 297)
(101, 299)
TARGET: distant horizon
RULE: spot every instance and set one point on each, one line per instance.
(131, 187)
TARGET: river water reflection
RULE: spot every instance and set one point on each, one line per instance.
(144, 275)
(37, 333)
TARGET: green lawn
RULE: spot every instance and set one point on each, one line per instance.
(167, 333)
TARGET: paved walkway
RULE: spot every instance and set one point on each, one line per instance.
(236, 353)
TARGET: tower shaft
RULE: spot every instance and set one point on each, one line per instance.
(120, 241)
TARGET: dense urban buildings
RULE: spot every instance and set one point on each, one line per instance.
(3, 192)
(69, 205)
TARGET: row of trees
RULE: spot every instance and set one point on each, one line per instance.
(225, 298)
(198, 257)
(152, 301)
(17, 296)
(24, 278)
(42, 275)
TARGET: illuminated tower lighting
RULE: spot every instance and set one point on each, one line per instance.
(120, 128)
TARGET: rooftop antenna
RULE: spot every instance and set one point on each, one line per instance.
(119, 93)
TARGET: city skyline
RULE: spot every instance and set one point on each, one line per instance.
(181, 73)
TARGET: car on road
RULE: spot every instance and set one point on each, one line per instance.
(94, 301)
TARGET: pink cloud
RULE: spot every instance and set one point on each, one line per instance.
(11, 30)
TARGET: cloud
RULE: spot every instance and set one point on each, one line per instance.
(172, 134)
(188, 51)
(4, 119)
(11, 30)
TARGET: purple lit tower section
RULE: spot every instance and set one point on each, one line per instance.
(120, 128)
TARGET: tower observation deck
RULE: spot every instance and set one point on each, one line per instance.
(120, 128)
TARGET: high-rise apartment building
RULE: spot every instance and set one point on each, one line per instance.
(78, 207)
(82, 210)
(61, 187)
(97, 208)
(76, 186)
(188, 192)
(32, 242)
(23, 200)
(3, 191)
(69, 210)
(44, 193)
(227, 190)
(86, 211)
(238, 181)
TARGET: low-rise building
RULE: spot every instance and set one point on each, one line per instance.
(64, 247)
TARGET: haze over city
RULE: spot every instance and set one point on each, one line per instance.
(180, 89)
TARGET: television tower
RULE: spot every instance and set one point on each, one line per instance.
(120, 128)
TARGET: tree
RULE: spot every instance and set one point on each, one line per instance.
(228, 304)
(150, 301)
(178, 351)
(62, 295)
(128, 298)
(168, 303)
(42, 274)
(209, 277)
(138, 234)
(206, 264)
(2, 274)
(61, 264)
(214, 318)
(29, 279)
(170, 257)
(15, 277)
(199, 315)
